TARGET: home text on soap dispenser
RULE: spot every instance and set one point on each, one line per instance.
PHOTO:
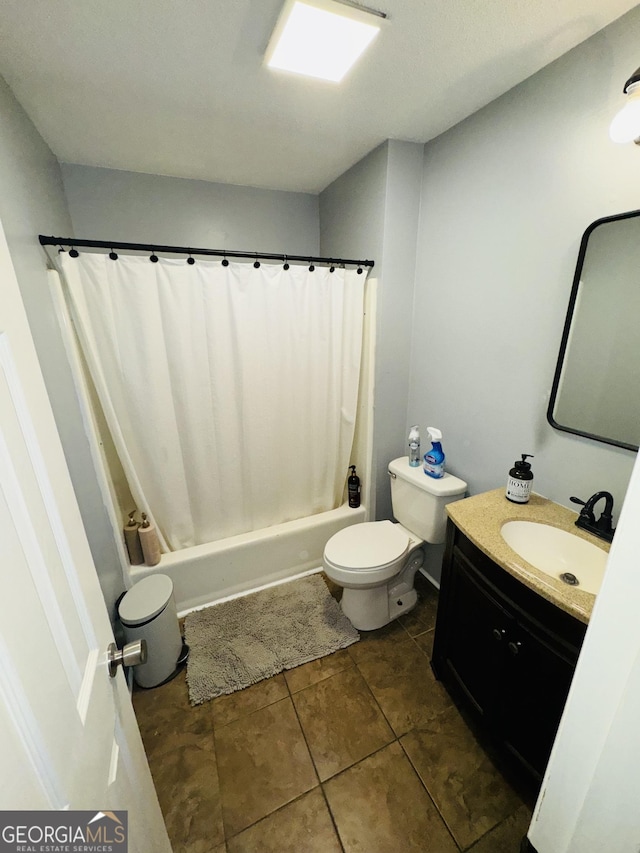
(519, 480)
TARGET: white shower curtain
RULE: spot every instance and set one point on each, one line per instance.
(230, 392)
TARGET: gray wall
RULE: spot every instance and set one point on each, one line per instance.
(506, 196)
(371, 212)
(32, 202)
(352, 226)
(107, 204)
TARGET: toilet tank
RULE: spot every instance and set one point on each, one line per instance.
(419, 500)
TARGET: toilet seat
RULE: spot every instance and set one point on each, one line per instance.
(371, 552)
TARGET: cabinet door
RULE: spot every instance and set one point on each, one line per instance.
(537, 680)
(476, 631)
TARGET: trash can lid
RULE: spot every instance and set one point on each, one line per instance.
(146, 599)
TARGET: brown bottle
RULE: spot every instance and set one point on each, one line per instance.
(132, 541)
(149, 541)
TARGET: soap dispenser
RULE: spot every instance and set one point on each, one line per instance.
(520, 480)
(353, 488)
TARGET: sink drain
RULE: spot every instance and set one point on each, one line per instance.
(568, 578)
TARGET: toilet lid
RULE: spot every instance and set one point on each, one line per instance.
(369, 545)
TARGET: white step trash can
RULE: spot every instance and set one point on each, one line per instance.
(148, 612)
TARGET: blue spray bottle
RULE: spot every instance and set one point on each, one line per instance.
(434, 459)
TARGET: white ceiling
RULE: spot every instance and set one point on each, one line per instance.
(177, 87)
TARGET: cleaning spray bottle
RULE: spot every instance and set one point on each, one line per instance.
(353, 487)
(414, 446)
(434, 460)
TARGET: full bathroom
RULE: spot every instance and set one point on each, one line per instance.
(474, 237)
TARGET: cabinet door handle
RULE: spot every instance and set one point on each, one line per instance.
(498, 633)
(514, 648)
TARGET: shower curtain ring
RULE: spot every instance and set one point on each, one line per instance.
(311, 267)
(256, 263)
(332, 268)
(61, 249)
(359, 270)
(225, 262)
(191, 261)
(74, 253)
(285, 266)
(154, 257)
(113, 255)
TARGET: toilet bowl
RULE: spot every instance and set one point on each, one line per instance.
(365, 559)
(376, 562)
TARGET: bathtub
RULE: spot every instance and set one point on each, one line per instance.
(209, 573)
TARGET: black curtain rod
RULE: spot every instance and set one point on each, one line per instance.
(183, 250)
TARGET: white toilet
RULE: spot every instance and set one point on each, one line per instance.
(376, 561)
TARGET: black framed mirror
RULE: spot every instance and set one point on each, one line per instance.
(596, 386)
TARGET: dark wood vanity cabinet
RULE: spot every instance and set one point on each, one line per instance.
(503, 650)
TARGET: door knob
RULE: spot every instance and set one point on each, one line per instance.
(130, 655)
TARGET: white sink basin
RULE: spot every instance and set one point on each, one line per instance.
(556, 552)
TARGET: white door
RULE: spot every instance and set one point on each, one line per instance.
(68, 735)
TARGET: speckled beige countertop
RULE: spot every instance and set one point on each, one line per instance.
(480, 518)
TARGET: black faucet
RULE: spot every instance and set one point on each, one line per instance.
(587, 520)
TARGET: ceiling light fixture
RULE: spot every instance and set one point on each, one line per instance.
(321, 38)
(625, 127)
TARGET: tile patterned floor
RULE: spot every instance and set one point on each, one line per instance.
(360, 752)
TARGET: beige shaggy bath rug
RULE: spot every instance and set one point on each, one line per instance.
(240, 642)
